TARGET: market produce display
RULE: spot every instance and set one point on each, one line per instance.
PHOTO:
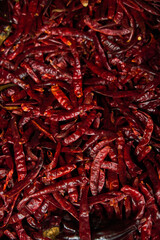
(80, 119)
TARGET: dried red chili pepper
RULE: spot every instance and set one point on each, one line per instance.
(137, 197)
(146, 136)
(60, 96)
(9, 234)
(154, 179)
(62, 116)
(18, 152)
(103, 198)
(93, 25)
(147, 7)
(66, 205)
(110, 166)
(95, 168)
(43, 130)
(146, 228)
(21, 232)
(54, 161)
(26, 181)
(132, 168)
(63, 184)
(30, 72)
(109, 76)
(83, 126)
(59, 172)
(150, 203)
(84, 226)
(100, 145)
(77, 75)
(121, 165)
(79, 84)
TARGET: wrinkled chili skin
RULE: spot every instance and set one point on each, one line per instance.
(79, 119)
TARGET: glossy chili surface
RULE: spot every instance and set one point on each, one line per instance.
(80, 119)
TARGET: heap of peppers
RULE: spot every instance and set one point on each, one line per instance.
(80, 119)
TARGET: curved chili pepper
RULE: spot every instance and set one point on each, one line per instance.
(59, 172)
(84, 92)
(111, 9)
(77, 75)
(146, 228)
(32, 51)
(150, 202)
(30, 72)
(70, 32)
(62, 116)
(101, 53)
(131, 20)
(83, 126)
(42, 210)
(95, 169)
(12, 39)
(90, 142)
(18, 152)
(54, 160)
(60, 96)
(121, 165)
(113, 181)
(84, 226)
(48, 71)
(154, 179)
(10, 234)
(133, 5)
(21, 232)
(18, 216)
(6, 77)
(43, 130)
(137, 197)
(93, 25)
(146, 136)
(132, 168)
(147, 7)
(66, 205)
(8, 156)
(100, 145)
(26, 181)
(63, 184)
(127, 204)
(72, 191)
(119, 14)
(10, 210)
(101, 180)
(103, 198)
(110, 166)
(109, 76)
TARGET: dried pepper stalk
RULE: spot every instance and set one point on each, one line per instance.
(79, 119)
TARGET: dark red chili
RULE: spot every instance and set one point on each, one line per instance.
(79, 119)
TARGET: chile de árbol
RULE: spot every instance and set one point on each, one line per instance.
(80, 119)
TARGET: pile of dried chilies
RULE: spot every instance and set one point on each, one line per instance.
(80, 119)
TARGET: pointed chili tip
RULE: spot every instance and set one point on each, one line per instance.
(69, 43)
(80, 95)
(74, 165)
(84, 3)
(39, 89)
(24, 108)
